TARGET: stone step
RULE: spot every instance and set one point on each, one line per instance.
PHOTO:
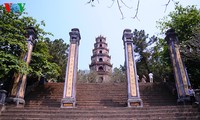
(122, 109)
(148, 118)
(99, 93)
(101, 101)
(168, 107)
(101, 116)
(127, 113)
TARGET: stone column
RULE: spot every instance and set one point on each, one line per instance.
(19, 85)
(69, 93)
(180, 73)
(131, 72)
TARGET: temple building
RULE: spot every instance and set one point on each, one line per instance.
(100, 60)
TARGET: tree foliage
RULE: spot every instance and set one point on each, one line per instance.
(183, 20)
(12, 44)
(58, 51)
(13, 47)
(85, 76)
(118, 75)
(160, 61)
(41, 64)
(143, 44)
(186, 22)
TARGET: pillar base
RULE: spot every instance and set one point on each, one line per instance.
(2, 96)
(68, 102)
(183, 99)
(135, 102)
(20, 102)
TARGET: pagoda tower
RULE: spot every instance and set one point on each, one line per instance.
(100, 60)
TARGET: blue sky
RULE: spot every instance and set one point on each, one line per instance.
(61, 16)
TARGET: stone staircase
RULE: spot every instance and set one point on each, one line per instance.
(101, 101)
(101, 95)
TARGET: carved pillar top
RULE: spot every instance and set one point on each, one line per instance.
(31, 34)
(75, 36)
(127, 36)
(171, 36)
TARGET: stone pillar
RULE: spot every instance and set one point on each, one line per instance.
(69, 93)
(180, 73)
(19, 85)
(131, 72)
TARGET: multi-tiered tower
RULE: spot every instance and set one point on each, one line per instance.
(101, 60)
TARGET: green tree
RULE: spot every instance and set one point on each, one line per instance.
(143, 44)
(118, 75)
(13, 47)
(82, 76)
(186, 23)
(160, 61)
(85, 76)
(58, 51)
(183, 20)
(41, 64)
